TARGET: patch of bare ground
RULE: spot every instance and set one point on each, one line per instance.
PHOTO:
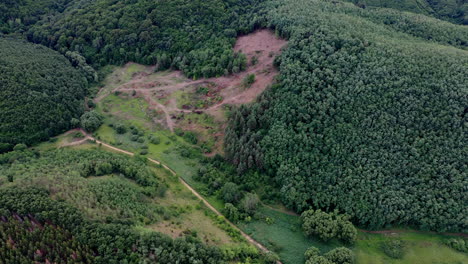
(162, 90)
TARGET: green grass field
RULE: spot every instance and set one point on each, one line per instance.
(284, 236)
(420, 248)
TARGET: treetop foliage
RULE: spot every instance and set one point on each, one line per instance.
(368, 118)
(40, 92)
(195, 36)
(455, 11)
(328, 226)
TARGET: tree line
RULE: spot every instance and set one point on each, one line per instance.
(194, 36)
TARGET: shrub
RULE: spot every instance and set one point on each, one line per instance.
(394, 248)
(254, 60)
(230, 193)
(271, 258)
(190, 137)
(248, 80)
(178, 131)
(340, 255)
(328, 225)
(231, 212)
(347, 232)
(312, 252)
(91, 121)
(320, 224)
(155, 140)
(20, 147)
(458, 244)
(91, 104)
(5, 147)
(144, 152)
(202, 90)
(318, 260)
(74, 122)
(249, 203)
(120, 128)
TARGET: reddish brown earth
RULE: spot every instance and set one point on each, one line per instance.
(160, 89)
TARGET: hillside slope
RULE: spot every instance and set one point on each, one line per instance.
(193, 36)
(455, 11)
(40, 92)
(367, 118)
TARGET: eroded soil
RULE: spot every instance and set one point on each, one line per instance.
(199, 105)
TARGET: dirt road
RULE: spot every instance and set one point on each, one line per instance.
(89, 137)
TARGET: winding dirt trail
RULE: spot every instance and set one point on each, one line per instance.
(194, 192)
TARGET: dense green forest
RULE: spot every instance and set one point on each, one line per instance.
(40, 92)
(193, 36)
(19, 15)
(367, 118)
(455, 11)
(26, 239)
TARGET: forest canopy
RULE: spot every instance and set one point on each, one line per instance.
(19, 15)
(368, 118)
(41, 92)
(455, 11)
(195, 36)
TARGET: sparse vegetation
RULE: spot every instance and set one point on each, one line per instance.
(248, 80)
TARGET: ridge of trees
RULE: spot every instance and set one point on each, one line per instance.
(455, 11)
(19, 15)
(366, 118)
(194, 36)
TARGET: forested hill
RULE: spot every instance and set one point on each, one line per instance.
(368, 117)
(455, 11)
(195, 36)
(19, 15)
(40, 92)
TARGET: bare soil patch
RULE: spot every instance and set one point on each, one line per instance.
(173, 95)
